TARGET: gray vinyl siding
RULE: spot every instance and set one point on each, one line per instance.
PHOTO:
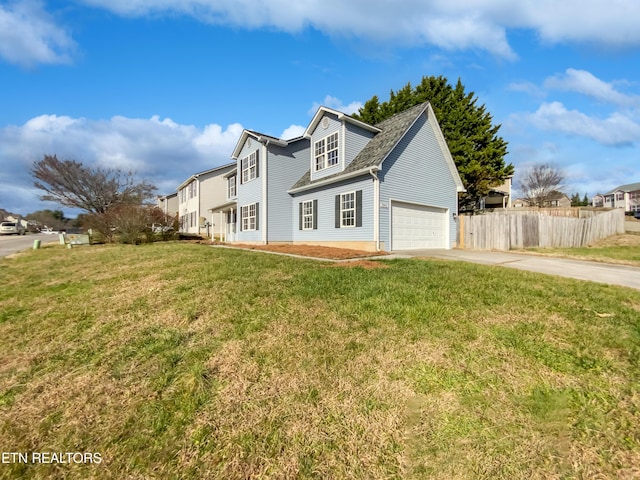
(416, 171)
(355, 141)
(326, 230)
(250, 192)
(318, 134)
(285, 166)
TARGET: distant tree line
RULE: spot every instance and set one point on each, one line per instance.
(577, 202)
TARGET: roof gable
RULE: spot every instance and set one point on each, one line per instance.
(260, 137)
(218, 170)
(343, 117)
(390, 132)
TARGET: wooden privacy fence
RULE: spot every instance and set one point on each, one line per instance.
(510, 229)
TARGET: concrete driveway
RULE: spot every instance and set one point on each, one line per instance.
(608, 273)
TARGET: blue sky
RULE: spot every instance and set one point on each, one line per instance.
(165, 87)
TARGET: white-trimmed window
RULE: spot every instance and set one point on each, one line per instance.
(326, 152)
(193, 189)
(249, 217)
(307, 215)
(231, 186)
(249, 167)
(348, 209)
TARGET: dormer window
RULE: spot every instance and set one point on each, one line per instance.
(326, 152)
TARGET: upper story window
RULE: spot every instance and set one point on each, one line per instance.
(231, 187)
(326, 152)
(193, 189)
(183, 195)
(249, 167)
(619, 196)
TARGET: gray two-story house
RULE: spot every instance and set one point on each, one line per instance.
(344, 183)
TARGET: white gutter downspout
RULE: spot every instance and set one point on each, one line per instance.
(376, 208)
(264, 192)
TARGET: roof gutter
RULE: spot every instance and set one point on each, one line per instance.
(330, 180)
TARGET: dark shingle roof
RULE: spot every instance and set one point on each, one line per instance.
(393, 129)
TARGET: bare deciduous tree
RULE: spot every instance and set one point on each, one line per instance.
(94, 190)
(540, 182)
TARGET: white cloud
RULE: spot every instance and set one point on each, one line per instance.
(292, 131)
(29, 36)
(616, 130)
(160, 150)
(586, 83)
(527, 87)
(448, 24)
(336, 104)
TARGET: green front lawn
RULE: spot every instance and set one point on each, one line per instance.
(186, 361)
(623, 249)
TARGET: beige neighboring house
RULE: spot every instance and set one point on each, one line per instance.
(197, 195)
(625, 196)
(168, 204)
(555, 199)
(500, 196)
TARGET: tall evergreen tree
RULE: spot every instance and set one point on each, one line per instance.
(575, 200)
(468, 128)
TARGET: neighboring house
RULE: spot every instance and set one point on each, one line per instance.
(169, 204)
(196, 197)
(557, 199)
(498, 197)
(598, 200)
(345, 183)
(624, 196)
(520, 203)
(554, 199)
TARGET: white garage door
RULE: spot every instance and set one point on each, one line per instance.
(417, 226)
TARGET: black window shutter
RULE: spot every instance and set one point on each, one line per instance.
(337, 211)
(257, 163)
(359, 208)
(242, 162)
(241, 217)
(257, 215)
(315, 214)
(300, 216)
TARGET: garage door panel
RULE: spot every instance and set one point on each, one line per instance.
(417, 226)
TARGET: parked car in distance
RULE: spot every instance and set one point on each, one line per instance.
(12, 228)
(637, 215)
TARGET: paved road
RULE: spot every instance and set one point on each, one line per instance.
(611, 274)
(14, 243)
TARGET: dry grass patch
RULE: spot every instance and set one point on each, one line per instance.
(312, 251)
(366, 264)
(618, 249)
